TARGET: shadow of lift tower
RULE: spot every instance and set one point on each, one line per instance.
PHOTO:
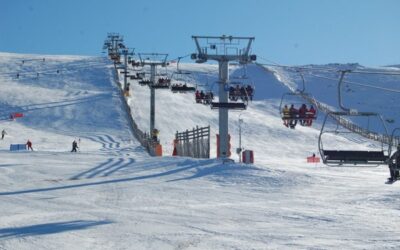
(223, 49)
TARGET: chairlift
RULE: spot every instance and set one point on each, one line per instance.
(204, 97)
(181, 84)
(239, 90)
(235, 103)
(137, 76)
(182, 88)
(178, 70)
(161, 83)
(293, 109)
(345, 157)
(136, 66)
(229, 105)
(244, 73)
(143, 82)
(297, 107)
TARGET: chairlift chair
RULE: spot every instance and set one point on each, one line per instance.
(136, 66)
(161, 83)
(182, 88)
(159, 86)
(297, 101)
(245, 92)
(181, 84)
(137, 76)
(229, 105)
(143, 82)
(352, 157)
(341, 157)
(206, 99)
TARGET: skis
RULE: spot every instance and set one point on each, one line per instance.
(390, 181)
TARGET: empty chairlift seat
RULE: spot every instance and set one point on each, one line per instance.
(228, 105)
(354, 157)
(177, 88)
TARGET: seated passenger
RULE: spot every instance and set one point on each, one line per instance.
(197, 96)
(285, 115)
(310, 115)
(202, 95)
(293, 113)
(302, 114)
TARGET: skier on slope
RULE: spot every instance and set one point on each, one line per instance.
(394, 165)
(3, 133)
(74, 146)
(29, 144)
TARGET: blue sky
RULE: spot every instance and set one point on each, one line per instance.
(286, 31)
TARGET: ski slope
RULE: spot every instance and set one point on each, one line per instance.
(112, 195)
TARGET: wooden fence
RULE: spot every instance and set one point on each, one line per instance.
(193, 143)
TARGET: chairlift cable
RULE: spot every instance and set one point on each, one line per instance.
(375, 72)
(180, 57)
(275, 64)
(356, 83)
(328, 69)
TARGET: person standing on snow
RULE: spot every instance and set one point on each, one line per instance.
(29, 144)
(394, 165)
(3, 133)
(74, 146)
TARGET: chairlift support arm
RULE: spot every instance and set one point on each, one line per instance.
(342, 73)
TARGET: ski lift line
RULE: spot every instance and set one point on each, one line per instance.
(375, 72)
(272, 63)
(180, 57)
(267, 60)
(374, 87)
(302, 68)
(356, 83)
(328, 69)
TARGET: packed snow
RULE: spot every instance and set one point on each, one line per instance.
(113, 195)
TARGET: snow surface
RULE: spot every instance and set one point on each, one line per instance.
(112, 195)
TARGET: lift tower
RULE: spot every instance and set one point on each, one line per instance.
(153, 60)
(126, 52)
(113, 43)
(223, 49)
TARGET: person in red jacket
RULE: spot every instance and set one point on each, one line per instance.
(310, 114)
(302, 114)
(198, 97)
(29, 144)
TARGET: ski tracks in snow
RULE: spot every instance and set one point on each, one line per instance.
(105, 168)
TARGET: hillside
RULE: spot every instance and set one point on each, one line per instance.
(112, 195)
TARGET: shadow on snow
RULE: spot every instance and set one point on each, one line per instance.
(49, 228)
